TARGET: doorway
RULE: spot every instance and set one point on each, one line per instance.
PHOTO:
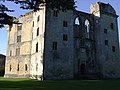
(83, 69)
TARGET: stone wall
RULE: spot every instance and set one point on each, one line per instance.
(52, 46)
(58, 55)
(18, 51)
(38, 44)
(107, 41)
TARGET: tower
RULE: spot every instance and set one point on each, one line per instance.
(58, 50)
(64, 44)
(19, 47)
(106, 37)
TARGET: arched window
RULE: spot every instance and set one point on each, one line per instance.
(77, 21)
(77, 26)
(87, 28)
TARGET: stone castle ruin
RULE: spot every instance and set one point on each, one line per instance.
(69, 44)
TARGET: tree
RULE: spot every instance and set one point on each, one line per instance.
(4, 18)
(33, 5)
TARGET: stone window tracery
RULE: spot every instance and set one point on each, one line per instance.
(87, 28)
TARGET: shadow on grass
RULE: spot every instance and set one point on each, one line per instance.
(28, 84)
(18, 84)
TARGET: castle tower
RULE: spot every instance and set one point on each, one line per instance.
(45, 49)
(19, 47)
(37, 47)
(64, 44)
(58, 50)
(106, 37)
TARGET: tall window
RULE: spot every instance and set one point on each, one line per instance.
(55, 13)
(105, 31)
(10, 52)
(18, 67)
(113, 48)
(33, 23)
(38, 18)
(37, 47)
(54, 45)
(19, 27)
(77, 22)
(26, 68)
(19, 38)
(65, 23)
(18, 51)
(37, 31)
(112, 26)
(10, 68)
(106, 42)
(65, 38)
(87, 28)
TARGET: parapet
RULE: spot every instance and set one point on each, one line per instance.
(27, 14)
(103, 8)
(107, 8)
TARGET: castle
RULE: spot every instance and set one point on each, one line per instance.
(52, 44)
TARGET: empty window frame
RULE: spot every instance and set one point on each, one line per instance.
(105, 31)
(55, 13)
(106, 42)
(38, 18)
(65, 37)
(26, 67)
(37, 47)
(113, 48)
(65, 24)
(19, 38)
(10, 68)
(19, 27)
(37, 31)
(54, 46)
(18, 67)
(77, 21)
(17, 51)
(112, 26)
(10, 52)
(87, 28)
(33, 23)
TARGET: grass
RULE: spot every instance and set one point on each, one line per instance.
(28, 84)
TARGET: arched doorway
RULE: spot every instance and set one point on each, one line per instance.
(82, 69)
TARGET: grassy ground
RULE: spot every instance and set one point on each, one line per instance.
(28, 84)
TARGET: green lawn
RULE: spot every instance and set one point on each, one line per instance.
(28, 84)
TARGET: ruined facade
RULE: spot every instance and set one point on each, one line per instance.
(69, 44)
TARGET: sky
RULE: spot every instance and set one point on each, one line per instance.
(82, 5)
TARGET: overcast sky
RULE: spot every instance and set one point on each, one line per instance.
(82, 5)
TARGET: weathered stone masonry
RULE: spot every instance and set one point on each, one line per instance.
(64, 44)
